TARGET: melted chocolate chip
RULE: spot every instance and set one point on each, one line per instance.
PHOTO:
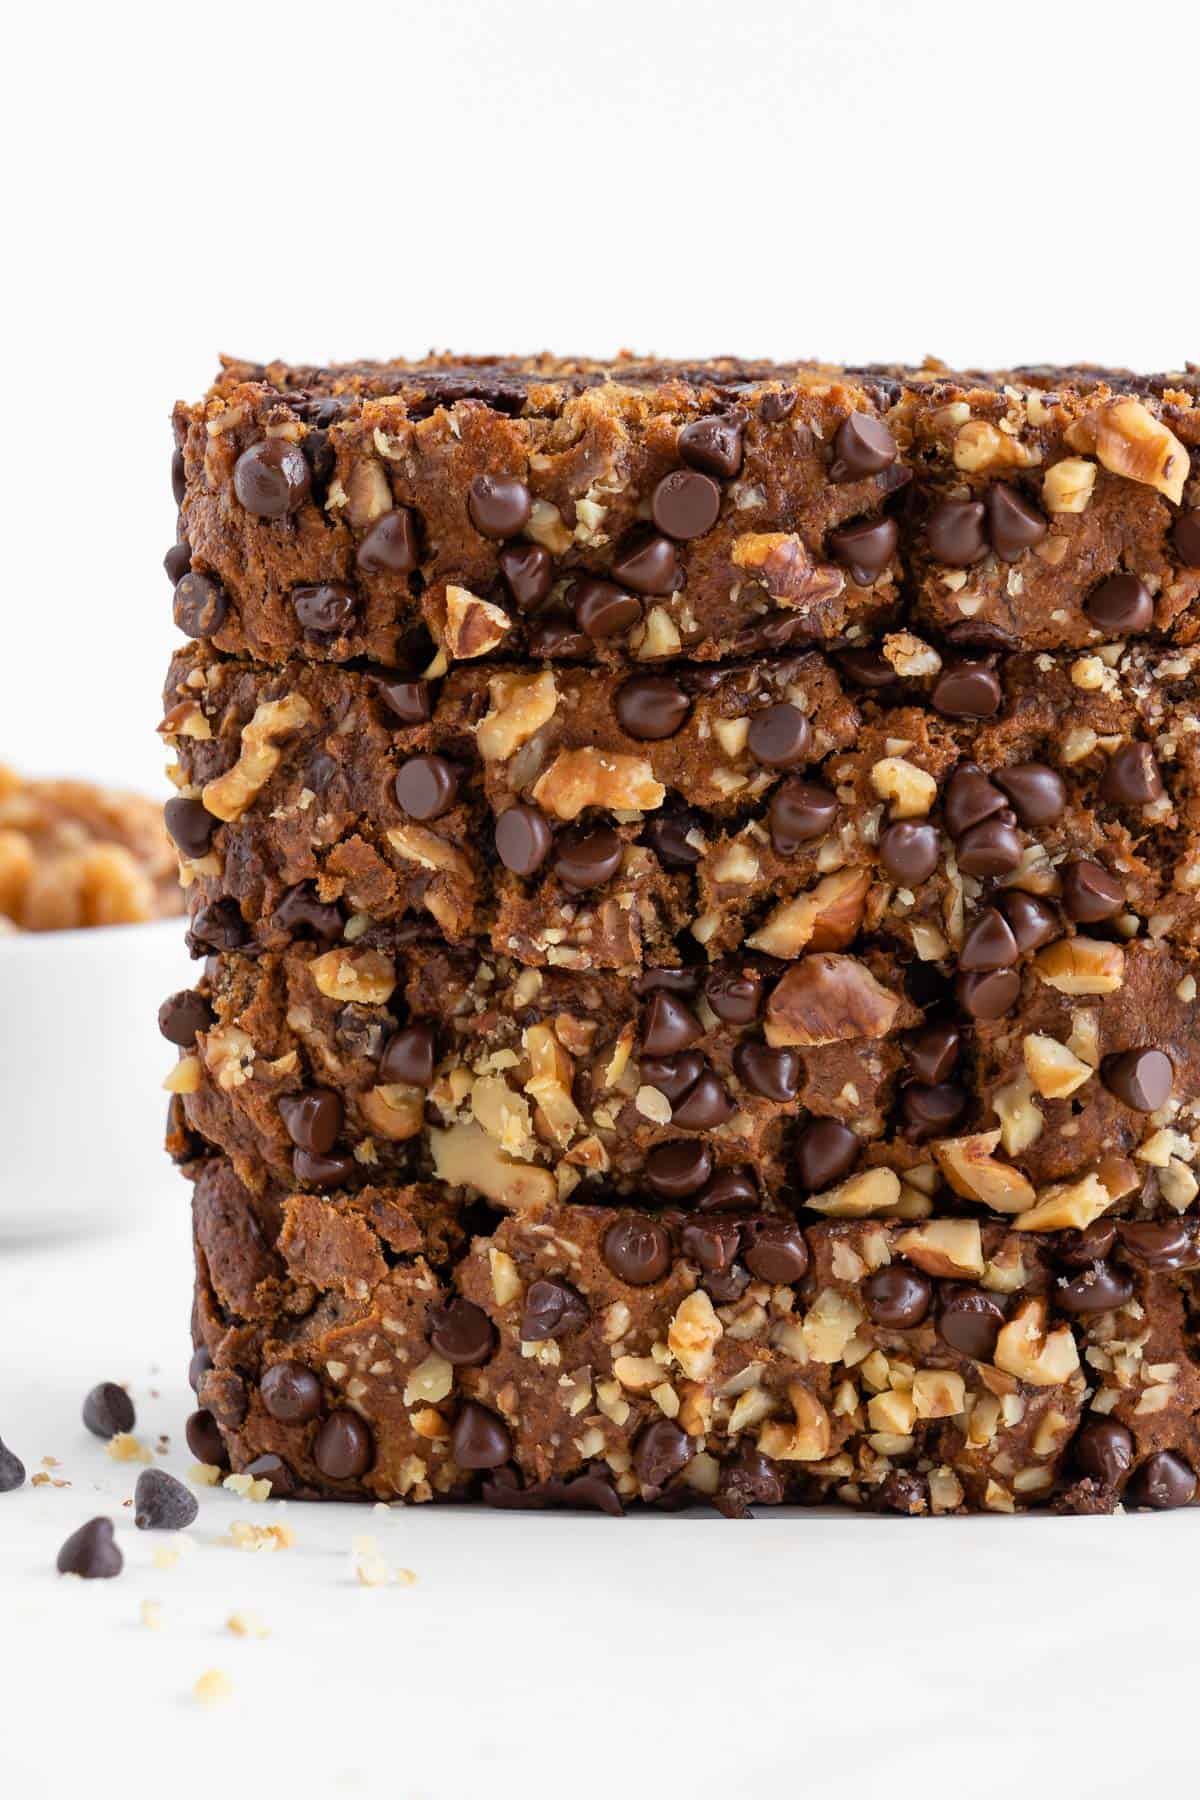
(955, 532)
(650, 707)
(649, 566)
(182, 1015)
(865, 548)
(779, 736)
(461, 1332)
(969, 690)
(410, 1057)
(200, 606)
(1186, 538)
(970, 798)
(272, 478)
(528, 572)
(798, 813)
(553, 1309)
(603, 610)
(862, 446)
(675, 1171)
(499, 506)
(735, 995)
(713, 445)
(1131, 777)
(1034, 922)
(775, 1250)
(989, 944)
(660, 1451)
(989, 996)
(324, 610)
(1013, 525)
(1120, 605)
(668, 1026)
(826, 1151)
(970, 1320)
(1090, 893)
(1102, 1288)
(343, 1448)
(909, 852)
(897, 1297)
(409, 701)
(992, 848)
(301, 914)
(291, 1393)
(713, 1243)
(930, 1111)
(771, 1074)
(312, 1119)
(390, 546)
(933, 1053)
(1103, 1449)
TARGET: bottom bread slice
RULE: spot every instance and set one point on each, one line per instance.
(388, 1344)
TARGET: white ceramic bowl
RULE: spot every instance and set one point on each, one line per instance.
(82, 1106)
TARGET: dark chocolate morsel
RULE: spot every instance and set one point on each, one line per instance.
(771, 1074)
(649, 566)
(323, 1171)
(713, 1243)
(660, 1451)
(989, 943)
(1090, 893)
(200, 606)
(930, 1110)
(12, 1470)
(291, 1393)
(553, 1309)
(602, 609)
(967, 690)
(190, 825)
(779, 736)
(705, 1106)
(955, 532)
(686, 504)
(343, 1448)
(1163, 1482)
(480, 1438)
(969, 798)
(427, 786)
(182, 1015)
(989, 995)
(204, 1439)
(897, 1296)
(1170, 1244)
(301, 914)
(407, 700)
(1131, 777)
(528, 572)
(825, 1152)
(668, 1025)
(587, 858)
(390, 546)
(91, 1552)
(637, 1249)
(775, 1250)
(1101, 1288)
(523, 838)
(272, 478)
(1034, 922)
(862, 445)
(1143, 1078)
(908, 851)
(1120, 605)
(1036, 792)
(461, 1332)
(312, 1118)
(1186, 538)
(713, 445)
(865, 548)
(650, 707)
(1013, 524)
(410, 1056)
(933, 1053)
(1103, 1449)
(992, 848)
(108, 1410)
(969, 1321)
(161, 1503)
(735, 995)
(499, 506)
(799, 812)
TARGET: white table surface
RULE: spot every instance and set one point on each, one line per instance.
(548, 1654)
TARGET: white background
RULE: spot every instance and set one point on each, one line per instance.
(844, 178)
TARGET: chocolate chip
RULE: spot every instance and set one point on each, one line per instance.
(12, 1470)
(660, 1451)
(179, 477)
(713, 1243)
(190, 825)
(825, 1151)
(343, 1448)
(553, 1309)
(650, 707)
(649, 566)
(480, 1439)
(673, 1075)
(528, 572)
(182, 1015)
(1163, 1482)
(1120, 605)
(678, 1169)
(1034, 922)
(668, 1026)
(160, 1503)
(729, 1190)
(989, 944)
(735, 995)
(523, 838)
(409, 701)
(427, 786)
(199, 1365)
(602, 609)
(91, 1552)
(867, 669)
(108, 1410)
(499, 506)
(1186, 538)
(685, 504)
(725, 1287)
(204, 1439)
(637, 1249)
(669, 981)
(410, 1057)
(219, 926)
(1102, 1288)
(969, 690)
(200, 605)
(390, 546)
(955, 532)
(1037, 793)
(302, 915)
(322, 1171)
(291, 1393)
(992, 848)
(989, 996)
(1104, 1450)
(969, 798)
(929, 1111)
(1132, 777)
(312, 1119)
(461, 1332)
(556, 638)
(779, 736)
(772, 1074)
(970, 1320)
(897, 1297)
(909, 852)
(1090, 893)
(1080, 1249)
(667, 835)
(713, 445)
(866, 549)
(1142, 1078)
(933, 1053)
(862, 445)
(178, 561)
(777, 405)
(774, 1250)
(272, 478)
(706, 1106)
(324, 609)
(275, 1472)
(799, 812)
(1013, 525)
(587, 858)
(1170, 1245)
(748, 1479)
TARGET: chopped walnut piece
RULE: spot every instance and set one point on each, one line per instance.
(807, 1438)
(693, 1335)
(972, 1170)
(781, 562)
(1054, 1069)
(549, 1085)
(826, 918)
(1130, 441)
(945, 1247)
(473, 626)
(1021, 1121)
(909, 789)
(521, 705)
(829, 1324)
(577, 779)
(910, 656)
(1067, 1206)
(828, 999)
(870, 1191)
(368, 492)
(938, 1394)
(395, 1111)
(981, 449)
(428, 851)
(1067, 485)
(228, 795)
(1081, 965)
(366, 976)
(466, 1156)
(1025, 1348)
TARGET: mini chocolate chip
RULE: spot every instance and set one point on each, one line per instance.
(322, 1171)
(660, 1451)
(772, 1074)
(1080, 1249)
(12, 1470)
(774, 1250)
(343, 1448)
(685, 504)
(865, 548)
(673, 1075)
(668, 1026)
(706, 1106)
(499, 505)
(1163, 1482)
(667, 835)
(989, 996)
(909, 852)
(219, 926)
(302, 915)
(1104, 1450)
(1170, 1245)
(602, 609)
(313, 1118)
(586, 858)
(160, 1503)
(748, 1479)
(713, 1243)
(182, 1015)
(735, 995)
(91, 1552)
(1090, 893)
(326, 608)
(200, 605)
(190, 825)
(409, 701)
(676, 1170)
(713, 445)
(779, 736)
(992, 848)
(480, 1439)
(410, 1057)
(1120, 605)
(989, 944)
(1131, 777)
(291, 1393)
(108, 1410)
(1102, 1288)
(867, 669)
(798, 813)
(969, 798)
(1034, 922)
(390, 546)
(275, 1472)
(528, 572)
(969, 1321)
(1186, 538)
(649, 566)
(636, 1249)
(1013, 525)
(930, 1111)
(272, 478)
(862, 445)
(897, 1297)
(204, 1439)
(523, 838)
(427, 786)
(461, 1332)
(729, 1190)
(556, 638)
(825, 1151)
(1142, 1078)
(933, 1053)
(179, 477)
(178, 561)
(650, 707)
(1037, 793)
(955, 532)
(968, 690)
(553, 1309)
